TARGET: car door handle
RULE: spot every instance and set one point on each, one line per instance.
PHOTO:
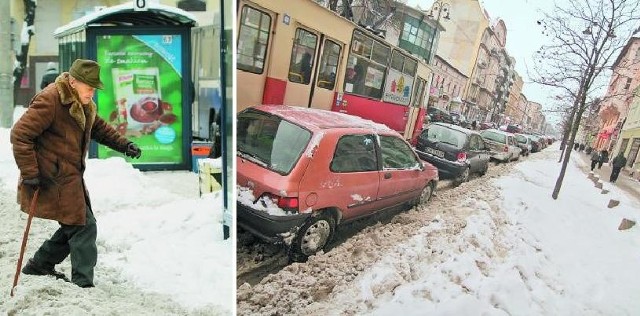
(387, 175)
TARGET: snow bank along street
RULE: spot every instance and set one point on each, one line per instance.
(498, 245)
(160, 246)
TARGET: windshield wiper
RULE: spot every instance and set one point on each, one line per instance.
(253, 157)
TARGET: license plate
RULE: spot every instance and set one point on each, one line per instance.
(435, 152)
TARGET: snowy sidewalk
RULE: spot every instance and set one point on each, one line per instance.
(624, 182)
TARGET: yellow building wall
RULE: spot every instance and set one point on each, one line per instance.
(459, 44)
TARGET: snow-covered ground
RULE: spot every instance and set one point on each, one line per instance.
(160, 246)
(499, 245)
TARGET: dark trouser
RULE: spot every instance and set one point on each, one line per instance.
(600, 164)
(80, 242)
(593, 164)
(615, 172)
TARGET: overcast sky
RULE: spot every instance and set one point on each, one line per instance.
(524, 37)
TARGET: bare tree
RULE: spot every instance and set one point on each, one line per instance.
(25, 40)
(373, 14)
(585, 36)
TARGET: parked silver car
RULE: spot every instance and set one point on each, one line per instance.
(504, 146)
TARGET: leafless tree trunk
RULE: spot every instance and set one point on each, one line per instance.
(25, 40)
(574, 60)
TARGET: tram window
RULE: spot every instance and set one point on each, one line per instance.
(361, 45)
(410, 67)
(302, 56)
(403, 64)
(366, 66)
(380, 53)
(329, 65)
(253, 36)
(397, 61)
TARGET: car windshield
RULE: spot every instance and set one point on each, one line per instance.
(493, 136)
(521, 139)
(438, 133)
(271, 141)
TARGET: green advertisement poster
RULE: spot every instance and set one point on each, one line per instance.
(142, 95)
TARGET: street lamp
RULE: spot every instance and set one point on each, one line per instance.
(441, 10)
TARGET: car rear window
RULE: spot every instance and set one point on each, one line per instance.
(438, 133)
(496, 137)
(270, 140)
(521, 139)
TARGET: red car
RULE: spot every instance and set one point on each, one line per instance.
(301, 172)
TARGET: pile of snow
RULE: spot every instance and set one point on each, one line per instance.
(160, 246)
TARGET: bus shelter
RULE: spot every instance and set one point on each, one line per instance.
(145, 58)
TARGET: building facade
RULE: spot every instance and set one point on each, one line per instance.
(617, 101)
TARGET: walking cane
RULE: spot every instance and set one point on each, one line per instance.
(32, 210)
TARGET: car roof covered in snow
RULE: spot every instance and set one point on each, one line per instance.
(316, 119)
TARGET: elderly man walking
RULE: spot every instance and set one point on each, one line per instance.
(50, 142)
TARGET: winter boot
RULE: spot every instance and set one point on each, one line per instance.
(34, 268)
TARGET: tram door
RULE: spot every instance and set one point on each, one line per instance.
(326, 74)
(253, 45)
(414, 110)
(312, 69)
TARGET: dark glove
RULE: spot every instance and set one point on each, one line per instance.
(133, 150)
(34, 183)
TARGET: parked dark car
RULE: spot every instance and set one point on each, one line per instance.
(302, 172)
(487, 125)
(437, 115)
(457, 152)
(514, 128)
(524, 143)
(459, 119)
(535, 143)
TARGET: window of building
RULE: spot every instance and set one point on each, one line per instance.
(366, 66)
(302, 56)
(417, 37)
(253, 36)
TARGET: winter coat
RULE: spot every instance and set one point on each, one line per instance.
(48, 78)
(605, 156)
(619, 161)
(595, 156)
(50, 142)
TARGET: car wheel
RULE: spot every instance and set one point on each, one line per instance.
(426, 194)
(464, 177)
(314, 235)
(484, 170)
